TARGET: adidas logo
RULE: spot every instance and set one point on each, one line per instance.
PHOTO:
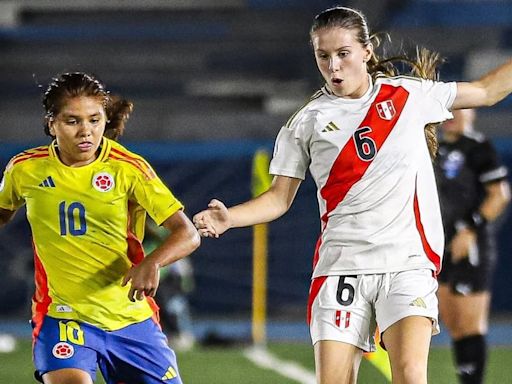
(330, 127)
(418, 302)
(48, 182)
(170, 374)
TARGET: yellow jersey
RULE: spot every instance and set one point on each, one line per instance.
(87, 226)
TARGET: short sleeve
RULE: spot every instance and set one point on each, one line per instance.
(439, 98)
(487, 164)
(154, 196)
(291, 154)
(10, 198)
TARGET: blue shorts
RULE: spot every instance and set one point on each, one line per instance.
(136, 354)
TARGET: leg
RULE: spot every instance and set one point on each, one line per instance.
(336, 362)
(67, 376)
(407, 342)
(464, 315)
(466, 318)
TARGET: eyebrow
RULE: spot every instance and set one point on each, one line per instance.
(78, 116)
(336, 49)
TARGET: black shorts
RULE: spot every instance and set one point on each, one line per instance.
(471, 275)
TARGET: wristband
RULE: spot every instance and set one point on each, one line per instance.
(477, 220)
(474, 221)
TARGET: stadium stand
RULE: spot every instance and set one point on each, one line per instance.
(201, 70)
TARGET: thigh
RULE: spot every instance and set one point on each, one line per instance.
(408, 293)
(340, 312)
(139, 353)
(65, 346)
(464, 315)
(67, 375)
(407, 342)
(336, 362)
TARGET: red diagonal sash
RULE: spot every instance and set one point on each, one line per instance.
(349, 168)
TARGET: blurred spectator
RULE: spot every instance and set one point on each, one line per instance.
(474, 192)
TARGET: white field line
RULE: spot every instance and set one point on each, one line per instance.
(264, 359)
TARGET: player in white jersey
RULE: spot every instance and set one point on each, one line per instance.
(367, 139)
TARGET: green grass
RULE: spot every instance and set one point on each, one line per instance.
(228, 366)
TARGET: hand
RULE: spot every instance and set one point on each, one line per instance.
(144, 278)
(461, 244)
(213, 221)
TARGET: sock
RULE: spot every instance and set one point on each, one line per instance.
(470, 357)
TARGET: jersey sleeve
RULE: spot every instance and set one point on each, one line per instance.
(291, 155)
(154, 196)
(10, 197)
(439, 98)
(487, 164)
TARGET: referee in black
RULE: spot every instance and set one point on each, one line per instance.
(474, 192)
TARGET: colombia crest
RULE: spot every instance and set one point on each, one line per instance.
(103, 182)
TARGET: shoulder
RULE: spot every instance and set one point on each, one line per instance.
(412, 82)
(129, 160)
(304, 110)
(28, 156)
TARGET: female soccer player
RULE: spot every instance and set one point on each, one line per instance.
(473, 190)
(363, 138)
(86, 199)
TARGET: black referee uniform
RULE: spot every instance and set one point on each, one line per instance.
(463, 168)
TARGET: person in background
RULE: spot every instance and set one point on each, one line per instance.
(86, 199)
(367, 139)
(474, 192)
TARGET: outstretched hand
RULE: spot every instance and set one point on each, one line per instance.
(214, 221)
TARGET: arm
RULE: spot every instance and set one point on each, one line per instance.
(496, 200)
(5, 216)
(268, 206)
(486, 91)
(182, 241)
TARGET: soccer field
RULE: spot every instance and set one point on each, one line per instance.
(230, 366)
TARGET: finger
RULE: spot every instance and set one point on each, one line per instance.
(139, 295)
(150, 292)
(198, 217)
(126, 279)
(214, 203)
(200, 224)
(205, 233)
(130, 295)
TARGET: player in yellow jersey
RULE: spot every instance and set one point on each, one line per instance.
(86, 198)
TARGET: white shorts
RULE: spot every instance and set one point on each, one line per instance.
(348, 308)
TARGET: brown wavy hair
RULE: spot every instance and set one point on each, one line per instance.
(74, 84)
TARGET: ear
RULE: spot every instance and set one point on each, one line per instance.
(51, 126)
(368, 52)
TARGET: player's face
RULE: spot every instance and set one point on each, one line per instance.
(78, 128)
(341, 60)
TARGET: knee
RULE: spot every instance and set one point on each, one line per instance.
(409, 372)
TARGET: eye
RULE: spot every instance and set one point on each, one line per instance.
(71, 122)
(322, 56)
(95, 120)
(343, 53)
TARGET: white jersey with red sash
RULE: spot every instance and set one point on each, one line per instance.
(370, 161)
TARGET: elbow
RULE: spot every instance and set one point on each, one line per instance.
(194, 240)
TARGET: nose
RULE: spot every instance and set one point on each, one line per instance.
(85, 129)
(334, 63)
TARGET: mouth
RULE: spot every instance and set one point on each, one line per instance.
(85, 146)
(335, 81)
